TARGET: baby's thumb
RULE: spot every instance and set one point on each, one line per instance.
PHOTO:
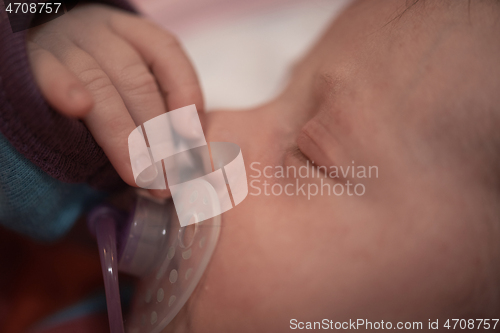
(60, 87)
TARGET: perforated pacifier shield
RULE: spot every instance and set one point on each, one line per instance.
(186, 252)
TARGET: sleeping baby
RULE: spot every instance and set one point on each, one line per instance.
(406, 89)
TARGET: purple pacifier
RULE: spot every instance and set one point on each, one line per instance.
(150, 244)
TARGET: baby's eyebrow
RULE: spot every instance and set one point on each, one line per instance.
(409, 5)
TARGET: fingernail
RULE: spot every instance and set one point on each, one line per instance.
(147, 176)
(142, 162)
(147, 171)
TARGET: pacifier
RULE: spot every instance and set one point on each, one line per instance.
(167, 244)
(151, 245)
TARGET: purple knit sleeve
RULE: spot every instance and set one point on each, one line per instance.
(61, 147)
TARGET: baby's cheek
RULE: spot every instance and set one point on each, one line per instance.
(244, 273)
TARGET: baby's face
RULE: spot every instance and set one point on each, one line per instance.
(421, 241)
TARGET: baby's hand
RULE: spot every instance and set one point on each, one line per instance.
(113, 70)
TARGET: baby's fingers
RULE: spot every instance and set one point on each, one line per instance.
(60, 87)
(166, 59)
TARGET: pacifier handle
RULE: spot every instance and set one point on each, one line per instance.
(102, 222)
